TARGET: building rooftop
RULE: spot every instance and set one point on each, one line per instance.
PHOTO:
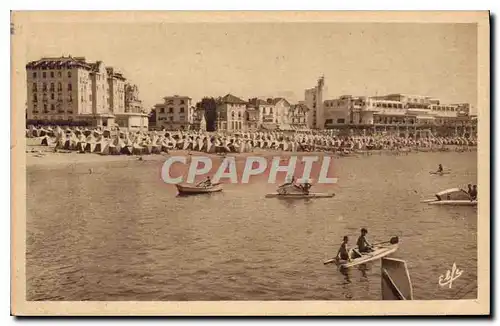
(70, 62)
(231, 99)
(176, 96)
(58, 63)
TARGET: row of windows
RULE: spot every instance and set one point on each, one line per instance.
(52, 74)
(182, 118)
(55, 118)
(52, 87)
(52, 97)
(388, 105)
(52, 108)
(171, 110)
(171, 102)
(444, 108)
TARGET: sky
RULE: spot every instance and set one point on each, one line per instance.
(274, 59)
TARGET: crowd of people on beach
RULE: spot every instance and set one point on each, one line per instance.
(105, 141)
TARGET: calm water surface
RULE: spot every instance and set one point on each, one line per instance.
(122, 234)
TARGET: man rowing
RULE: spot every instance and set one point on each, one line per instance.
(440, 169)
(363, 245)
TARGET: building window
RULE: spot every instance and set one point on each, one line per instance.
(162, 110)
(52, 96)
(340, 120)
(171, 118)
(181, 110)
(70, 88)
(44, 74)
(69, 74)
(59, 74)
(34, 87)
(35, 98)
(34, 75)
(51, 87)
(45, 108)
(51, 74)
(170, 110)
(182, 101)
(59, 87)
(263, 110)
(52, 107)
(44, 87)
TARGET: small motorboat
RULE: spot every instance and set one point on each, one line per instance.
(297, 191)
(380, 250)
(300, 195)
(184, 189)
(452, 197)
(440, 173)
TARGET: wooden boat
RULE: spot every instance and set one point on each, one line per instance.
(196, 190)
(440, 173)
(358, 258)
(396, 282)
(452, 197)
(299, 195)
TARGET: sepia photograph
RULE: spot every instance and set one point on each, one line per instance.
(250, 163)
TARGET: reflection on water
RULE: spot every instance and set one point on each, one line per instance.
(121, 234)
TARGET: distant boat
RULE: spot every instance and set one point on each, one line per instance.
(452, 197)
(440, 173)
(300, 196)
(196, 190)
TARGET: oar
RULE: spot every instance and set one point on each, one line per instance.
(394, 240)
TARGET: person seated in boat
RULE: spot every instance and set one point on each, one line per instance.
(440, 169)
(205, 183)
(469, 190)
(343, 253)
(363, 245)
(291, 182)
(473, 193)
(305, 187)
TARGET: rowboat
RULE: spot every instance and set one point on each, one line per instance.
(396, 282)
(300, 196)
(195, 190)
(440, 173)
(454, 202)
(452, 197)
(358, 258)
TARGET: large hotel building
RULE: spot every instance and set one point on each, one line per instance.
(69, 90)
(395, 113)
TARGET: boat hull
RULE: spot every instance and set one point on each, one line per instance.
(299, 196)
(193, 190)
(453, 202)
(396, 282)
(377, 253)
